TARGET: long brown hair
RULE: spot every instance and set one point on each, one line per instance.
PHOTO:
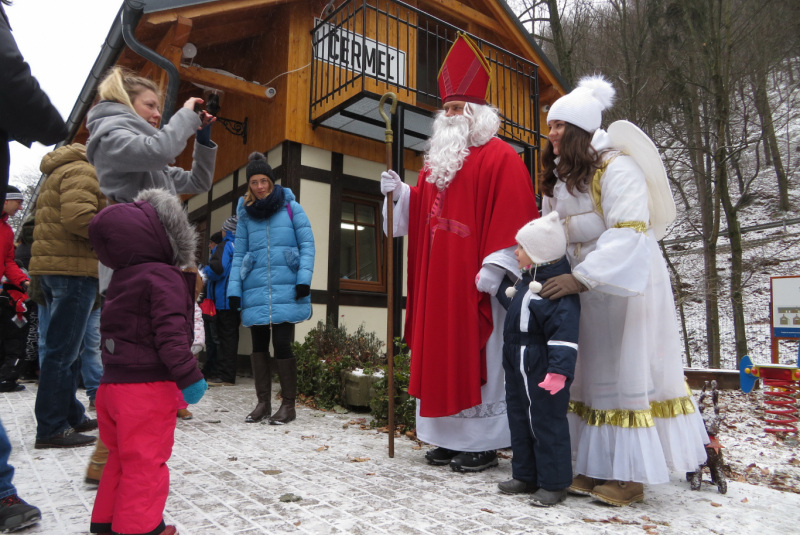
(576, 164)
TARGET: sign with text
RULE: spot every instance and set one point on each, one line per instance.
(786, 307)
(357, 53)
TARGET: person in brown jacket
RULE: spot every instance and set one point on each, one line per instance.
(66, 265)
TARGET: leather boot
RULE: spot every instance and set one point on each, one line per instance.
(619, 493)
(97, 463)
(582, 485)
(287, 373)
(262, 373)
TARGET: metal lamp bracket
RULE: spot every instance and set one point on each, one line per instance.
(236, 128)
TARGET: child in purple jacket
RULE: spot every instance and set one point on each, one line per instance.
(147, 332)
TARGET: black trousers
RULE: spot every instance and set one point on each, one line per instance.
(12, 346)
(212, 342)
(537, 421)
(284, 336)
(228, 350)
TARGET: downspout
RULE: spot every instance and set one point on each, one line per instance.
(131, 15)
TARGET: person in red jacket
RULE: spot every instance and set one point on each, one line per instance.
(12, 336)
(9, 269)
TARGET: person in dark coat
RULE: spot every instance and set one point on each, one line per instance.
(223, 370)
(147, 329)
(540, 347)
(209, 310)
(26, 113)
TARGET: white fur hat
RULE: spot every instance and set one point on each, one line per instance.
(584, 106)
(543, 239)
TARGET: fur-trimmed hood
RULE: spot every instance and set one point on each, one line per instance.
(153, 228)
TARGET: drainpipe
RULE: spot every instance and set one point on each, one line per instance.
(131, 14)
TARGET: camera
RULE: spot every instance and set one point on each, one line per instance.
(212, 105)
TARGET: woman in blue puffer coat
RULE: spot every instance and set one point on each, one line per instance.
(270, 281)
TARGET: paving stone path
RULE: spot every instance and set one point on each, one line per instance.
(229, 477)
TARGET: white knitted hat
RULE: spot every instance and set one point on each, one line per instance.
(584, 106)
(543, 239)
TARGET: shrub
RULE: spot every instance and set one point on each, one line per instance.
(405, 406)
(326, 353)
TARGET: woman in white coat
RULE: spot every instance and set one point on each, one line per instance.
(632, 418)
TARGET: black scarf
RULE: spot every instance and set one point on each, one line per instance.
(268, 206)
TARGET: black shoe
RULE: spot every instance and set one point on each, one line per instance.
(16, 514)
(474, 461)
(515, 486)
(89, 424)
(67, 439)
(440, 456)
(548, 498)
(11, 386)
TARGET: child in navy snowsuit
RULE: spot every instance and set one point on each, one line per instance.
(539, 353)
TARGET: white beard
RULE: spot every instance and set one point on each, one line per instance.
(449, 148)
(452, 139)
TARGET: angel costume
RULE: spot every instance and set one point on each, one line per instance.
(632, 417)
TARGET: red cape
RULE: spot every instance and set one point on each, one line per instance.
(450, 233)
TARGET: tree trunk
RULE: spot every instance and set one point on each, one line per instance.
(678, 290)
(563, 54)
(771, 148)
(735, 236)
(709, 220)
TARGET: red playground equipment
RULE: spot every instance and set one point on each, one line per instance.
(781, 383)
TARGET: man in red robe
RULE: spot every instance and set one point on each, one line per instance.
(472, 196)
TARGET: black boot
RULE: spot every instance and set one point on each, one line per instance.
(287, 373)
(262, 373)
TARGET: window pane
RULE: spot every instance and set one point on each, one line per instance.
(366, 214)
(367, 255)
(348, 211)
(347, 256)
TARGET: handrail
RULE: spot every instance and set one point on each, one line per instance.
(394, 31)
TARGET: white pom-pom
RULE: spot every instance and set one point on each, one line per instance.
(535, 287)
(511, 292)
(601, 89)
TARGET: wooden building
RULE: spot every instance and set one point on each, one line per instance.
(300, 81)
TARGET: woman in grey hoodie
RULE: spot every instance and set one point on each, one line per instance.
(128, 150)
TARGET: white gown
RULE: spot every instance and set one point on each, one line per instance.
(482, 427)
(632, 417)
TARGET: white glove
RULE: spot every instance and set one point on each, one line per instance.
(489, 278)
(390, 182)
(197, 348)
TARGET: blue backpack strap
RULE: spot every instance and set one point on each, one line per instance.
(289, 209)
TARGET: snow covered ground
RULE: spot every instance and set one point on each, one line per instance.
(229, 477)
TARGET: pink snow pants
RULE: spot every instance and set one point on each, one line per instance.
(181, 403)
(137, 424)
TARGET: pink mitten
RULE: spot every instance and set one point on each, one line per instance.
(553, 382)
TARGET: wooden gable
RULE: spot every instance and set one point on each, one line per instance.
(269, 43)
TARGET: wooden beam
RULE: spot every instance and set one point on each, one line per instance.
(548, 94)
(223, 82)
(177, 35)
(461, 11)
(207, 9)
(235, 31)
